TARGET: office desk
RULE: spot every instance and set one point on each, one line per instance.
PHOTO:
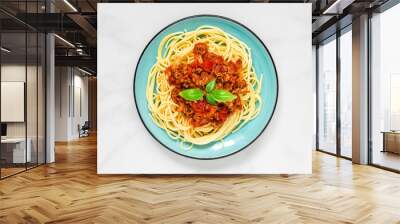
(391, 141)
(16, 147)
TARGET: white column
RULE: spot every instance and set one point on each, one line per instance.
(50, 100)
(50, 92)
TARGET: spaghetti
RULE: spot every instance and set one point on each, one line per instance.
(202, 121)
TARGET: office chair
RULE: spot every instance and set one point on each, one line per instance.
(84, 130)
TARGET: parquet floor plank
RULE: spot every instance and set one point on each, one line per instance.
(70, 191)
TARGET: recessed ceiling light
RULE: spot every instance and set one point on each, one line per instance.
(64, 40)
(84, 71)
(5, 50)
(337, 7)
(70, 5)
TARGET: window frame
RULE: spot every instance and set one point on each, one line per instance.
(336, 36)
(381, 9)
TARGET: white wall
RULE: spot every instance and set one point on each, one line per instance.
(17, 72)
(12, 101)
(10, 73)
(79, 110)
(61, 103)
(69, 82)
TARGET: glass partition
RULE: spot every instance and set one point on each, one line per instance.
(14, 155)
(23, 89)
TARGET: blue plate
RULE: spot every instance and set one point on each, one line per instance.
(262, 62)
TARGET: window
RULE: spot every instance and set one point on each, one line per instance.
(334, 106)
(385, 89)
(346, 93)
(327, 96)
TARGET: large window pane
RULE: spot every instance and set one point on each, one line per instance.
(386, 89)
(327, 96)
(346, 94)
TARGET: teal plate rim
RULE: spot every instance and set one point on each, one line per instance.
(276, 78)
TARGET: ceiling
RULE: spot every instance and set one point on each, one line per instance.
(76, 21)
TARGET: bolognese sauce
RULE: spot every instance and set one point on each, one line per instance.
(206, 66)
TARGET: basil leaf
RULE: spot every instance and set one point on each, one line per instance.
(211, 85)
(222, 96)
(210, 99)
(191, 94)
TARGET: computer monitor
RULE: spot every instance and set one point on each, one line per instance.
(3, 129)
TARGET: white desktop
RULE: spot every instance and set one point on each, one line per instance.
(18, 147)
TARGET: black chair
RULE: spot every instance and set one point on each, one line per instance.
(84, 130)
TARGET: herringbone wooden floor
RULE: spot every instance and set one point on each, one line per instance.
(70, 191)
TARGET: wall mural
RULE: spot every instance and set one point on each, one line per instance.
(204, 88)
